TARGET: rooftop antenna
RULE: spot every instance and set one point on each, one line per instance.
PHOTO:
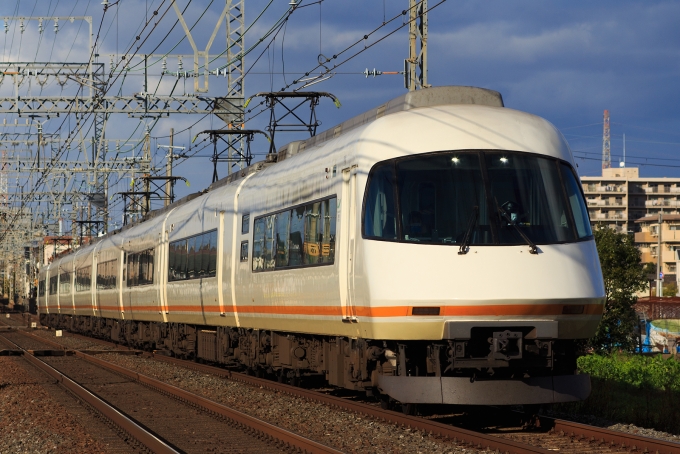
(623, 163)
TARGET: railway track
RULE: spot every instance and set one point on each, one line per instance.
(552, 435)
(162, 418)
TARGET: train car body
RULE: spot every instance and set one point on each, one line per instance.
(436, 249)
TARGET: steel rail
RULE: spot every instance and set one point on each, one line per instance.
(613, 438)
(235, 417)
(148, 439)
(583, 432)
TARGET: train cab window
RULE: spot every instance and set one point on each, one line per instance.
(575, 198)
(474, 197)
(244, 251)
(107, 274)
(245, 223)
(41, 288)
(380, 220)
(194, 257)
(64, 283)
(54, 285)
(301, 236)
(83, 278)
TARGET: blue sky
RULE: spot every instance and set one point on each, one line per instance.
(565, 61)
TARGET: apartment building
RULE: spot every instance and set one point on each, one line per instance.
(623, 201)
(647, 240)
(620, 197)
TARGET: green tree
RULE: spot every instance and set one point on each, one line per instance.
(624, 275)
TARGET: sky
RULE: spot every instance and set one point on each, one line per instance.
(566, 61)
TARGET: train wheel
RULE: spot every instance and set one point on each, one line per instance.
(385, 402)
(281, 377)
(408, 409)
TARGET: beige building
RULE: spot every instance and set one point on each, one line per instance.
(623, 201)
(620, 197)
(647, 240)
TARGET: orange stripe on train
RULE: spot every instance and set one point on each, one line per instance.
(363, 311)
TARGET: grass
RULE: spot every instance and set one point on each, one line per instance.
(672, 325)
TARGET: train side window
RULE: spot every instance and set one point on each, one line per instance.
(202, 255)
(132, 270)
(191, 257)
(380, 220)
(41, 288)
(107, 274)
(212, 261)
(83, 278)
(258, 244)
(269, 246)
(326, 232)
(245, 223)
(244, 251)
(146, 267)
(301, 236)
(54, 285)
(140, 268)
(297, 231)
(312, 245)
(175, 255)
(64, 283)
(282, 225)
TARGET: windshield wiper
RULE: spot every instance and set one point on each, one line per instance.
(464, 245)
(506, 216)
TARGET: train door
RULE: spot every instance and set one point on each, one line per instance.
(348, 242)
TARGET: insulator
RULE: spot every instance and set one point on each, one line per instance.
(180, 66)
(165, 64)
(21, 26)
(40, 26)
(6, 26)
(56, 26)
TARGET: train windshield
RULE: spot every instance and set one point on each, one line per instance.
(488, 197)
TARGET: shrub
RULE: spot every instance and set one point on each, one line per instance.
(632, 389)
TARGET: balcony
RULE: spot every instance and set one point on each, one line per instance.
(662, 203)
(606, 188)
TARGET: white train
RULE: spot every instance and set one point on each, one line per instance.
(436, 249)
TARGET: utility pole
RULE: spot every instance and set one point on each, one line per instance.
(659, 279)
(169, 179)
(168, 169)
(415, 66)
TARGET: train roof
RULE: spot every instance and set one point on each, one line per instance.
(428, 97)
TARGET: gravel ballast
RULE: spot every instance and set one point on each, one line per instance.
(31, 418)
(339, 429)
